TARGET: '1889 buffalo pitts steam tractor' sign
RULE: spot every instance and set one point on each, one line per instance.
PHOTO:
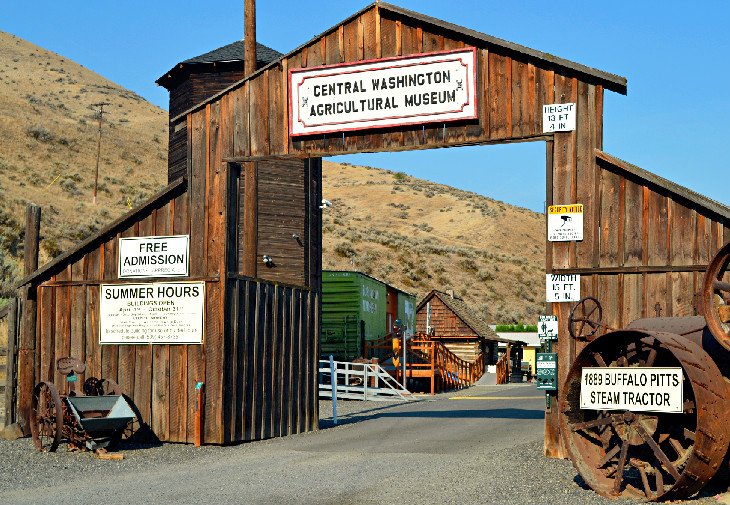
(644, 409)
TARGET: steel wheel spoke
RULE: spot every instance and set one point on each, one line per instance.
(645, 482)
(652, 356)
(658, 453)
(721, 286)
(690, 435)
(592, 424)
(610, 454)
(599, 359)
(620, 467)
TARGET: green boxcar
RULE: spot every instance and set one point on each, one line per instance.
(354, 309)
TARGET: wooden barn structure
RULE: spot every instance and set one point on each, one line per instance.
(251, 189)
(447, 318)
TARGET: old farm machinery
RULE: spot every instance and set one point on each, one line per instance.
(644, 409)
(92, 419)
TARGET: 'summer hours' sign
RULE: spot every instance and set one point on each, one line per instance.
(427, 88)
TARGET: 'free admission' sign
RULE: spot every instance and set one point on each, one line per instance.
(426, 88)
(153, 256)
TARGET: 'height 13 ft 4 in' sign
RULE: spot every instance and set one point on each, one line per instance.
(426, 88)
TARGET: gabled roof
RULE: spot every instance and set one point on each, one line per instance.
(463, 312)
(232, 52)
(675, 189)
(608, 80)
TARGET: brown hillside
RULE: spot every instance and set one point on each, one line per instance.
(421, 236)
(406, 231)
(48, 152)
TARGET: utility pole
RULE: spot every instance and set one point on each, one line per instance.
(98, 145)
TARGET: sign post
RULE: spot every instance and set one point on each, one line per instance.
(547, 328)
(547, 371)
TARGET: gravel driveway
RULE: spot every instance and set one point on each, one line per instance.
(439, 451)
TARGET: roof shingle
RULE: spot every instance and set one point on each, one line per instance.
(234, 52)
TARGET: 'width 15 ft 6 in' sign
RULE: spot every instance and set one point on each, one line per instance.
(562, 288)
(426, 88)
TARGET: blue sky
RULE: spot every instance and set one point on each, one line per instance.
(675, 55)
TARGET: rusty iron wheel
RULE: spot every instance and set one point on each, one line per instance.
(653, 456)
(585, 318)
(716, 296)
(46, 417)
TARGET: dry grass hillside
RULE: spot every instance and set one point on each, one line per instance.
(412, 233)
(49, 133)
(421, 236)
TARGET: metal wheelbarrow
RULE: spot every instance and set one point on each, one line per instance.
(90, 420)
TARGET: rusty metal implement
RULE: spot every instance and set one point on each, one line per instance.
(654, 455)
(91, 420)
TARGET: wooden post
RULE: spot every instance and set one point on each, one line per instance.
(26, 347)
(433, 367)
(250, 219)
(249, 37)
(10, 375)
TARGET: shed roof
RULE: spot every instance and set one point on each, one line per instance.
(610, 81)
(528, 339)
(232, 52)
(176, 187)
(675, 189)
(463, 312)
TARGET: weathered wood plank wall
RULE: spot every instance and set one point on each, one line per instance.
(443, 320)
(274, 367)
(158, 377)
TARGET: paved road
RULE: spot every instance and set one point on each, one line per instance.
(485, 447)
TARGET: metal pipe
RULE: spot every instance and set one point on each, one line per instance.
(333, 379)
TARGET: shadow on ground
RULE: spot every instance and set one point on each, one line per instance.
(388, 412)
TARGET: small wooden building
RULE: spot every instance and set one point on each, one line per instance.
(448, 319)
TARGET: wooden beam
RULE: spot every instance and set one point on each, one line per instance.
(250, 219)
(641, 269)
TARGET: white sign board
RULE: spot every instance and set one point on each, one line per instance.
(435, 87)
(565, 222)
(152, 313)
(547, 327)
(562, 288)
(639, 389)
(153, 256)
(558, 117)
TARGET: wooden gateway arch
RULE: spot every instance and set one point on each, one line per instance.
(248, 188)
